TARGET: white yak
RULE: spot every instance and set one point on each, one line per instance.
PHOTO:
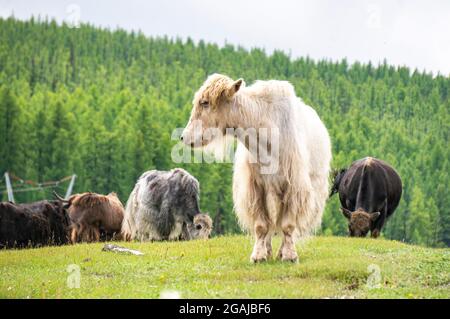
(282, 162)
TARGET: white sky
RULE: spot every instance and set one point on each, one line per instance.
(415, 33)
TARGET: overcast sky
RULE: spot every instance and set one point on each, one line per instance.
(415, 33)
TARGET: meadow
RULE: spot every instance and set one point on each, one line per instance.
(329, 267)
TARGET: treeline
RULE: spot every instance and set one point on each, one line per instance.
(103, 104)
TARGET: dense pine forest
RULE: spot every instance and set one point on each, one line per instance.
(103, 104)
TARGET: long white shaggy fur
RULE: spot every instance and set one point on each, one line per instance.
(291, 200)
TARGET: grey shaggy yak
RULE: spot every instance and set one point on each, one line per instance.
(164, 205)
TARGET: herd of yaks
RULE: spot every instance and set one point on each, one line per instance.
(164, 205)
(289, 199)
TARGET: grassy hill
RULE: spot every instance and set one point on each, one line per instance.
(329, 267)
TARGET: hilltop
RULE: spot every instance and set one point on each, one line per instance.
(329, 267)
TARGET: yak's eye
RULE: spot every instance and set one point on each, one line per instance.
(198, 227)
(204, 103)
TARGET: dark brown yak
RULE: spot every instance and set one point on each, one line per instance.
(34, 224)
(93, 215)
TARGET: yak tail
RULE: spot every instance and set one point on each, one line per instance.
(337, 178)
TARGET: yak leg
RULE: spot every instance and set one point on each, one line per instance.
(287, 250)
(185, 234)
(260, 249)
(378, 225)
(84, 234)
(96, 234)
(117, 236)
(261, 226)
(273, 207)
(249, 201)
(81, 234)
(269, 245)
(74, 234)
(93, 235)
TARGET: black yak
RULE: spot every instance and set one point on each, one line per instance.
(369, 192)
(33, 225)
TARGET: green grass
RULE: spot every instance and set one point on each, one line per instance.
(329, 267)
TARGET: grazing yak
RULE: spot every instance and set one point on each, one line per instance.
(33, 225)
(267, 117)
(200, 229)
(369, 192)
(164, 205)
(93, 215)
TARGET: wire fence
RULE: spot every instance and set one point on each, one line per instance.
(21, 185)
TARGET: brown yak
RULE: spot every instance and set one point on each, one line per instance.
(93, 214)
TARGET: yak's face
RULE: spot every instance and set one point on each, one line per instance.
(61, 210)
(360, 222)
(210, 110)
(201, 227)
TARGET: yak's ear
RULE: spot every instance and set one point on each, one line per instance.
(346, 212)
(235, 87)
(374, 216)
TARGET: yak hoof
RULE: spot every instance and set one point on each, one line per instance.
(288, 255)
(258, 258)
(292, 259)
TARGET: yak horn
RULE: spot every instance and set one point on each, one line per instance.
(59, 197)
